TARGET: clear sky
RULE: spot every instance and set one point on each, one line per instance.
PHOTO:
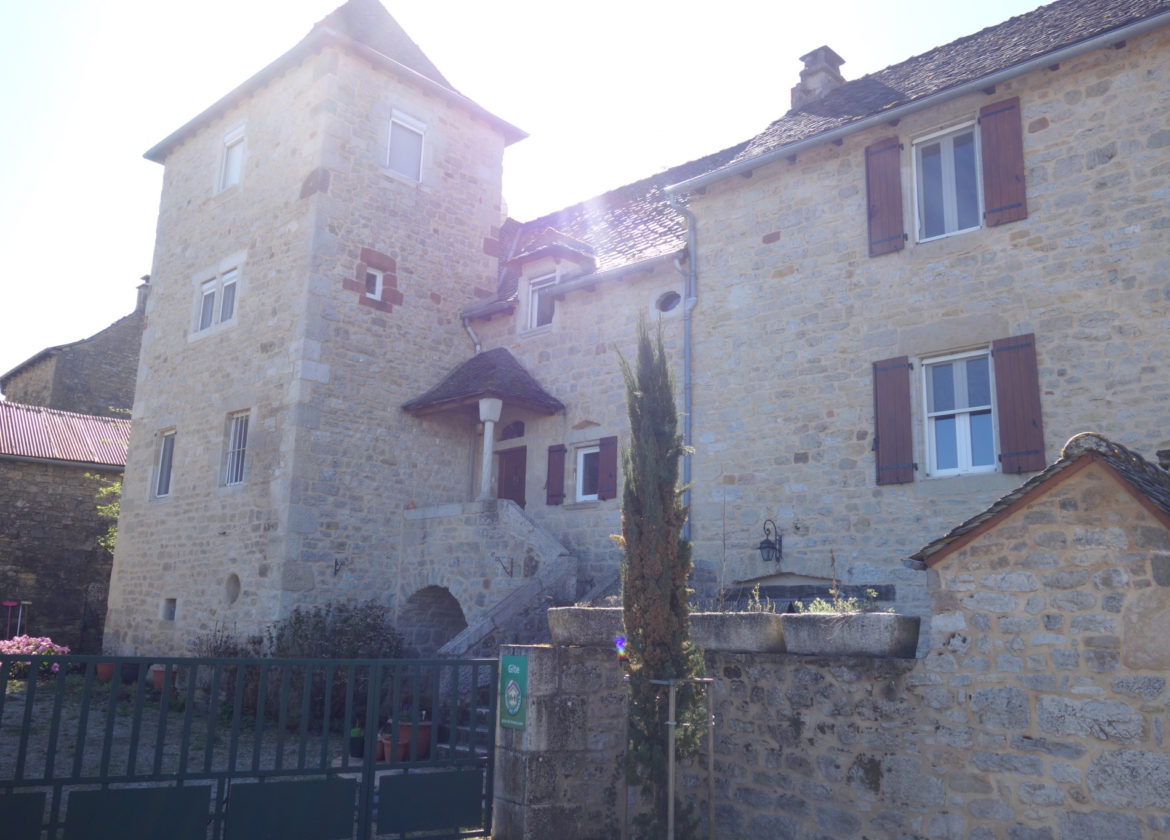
(608, 91)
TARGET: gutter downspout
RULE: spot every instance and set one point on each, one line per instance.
(690, 298)
(1039, 62)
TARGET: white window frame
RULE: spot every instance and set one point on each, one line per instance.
(579, 479)
(206, 317)
(218, 295)
(379, 279)
(402, 122)
(950, 209)
(165, 464)
(235, 466)
(962, 416)
(231, 164)
(537, 287)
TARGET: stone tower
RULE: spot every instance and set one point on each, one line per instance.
(319, 228)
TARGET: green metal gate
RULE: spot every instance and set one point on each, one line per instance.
(93, 747)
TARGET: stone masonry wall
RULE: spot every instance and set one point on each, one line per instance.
(793, 312)
(94, 376)
(49, 553)
(576, 359)
(1038, 713)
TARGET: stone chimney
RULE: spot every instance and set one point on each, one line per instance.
(821, 73)
(143, 291)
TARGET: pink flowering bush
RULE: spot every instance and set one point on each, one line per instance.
(31, 646)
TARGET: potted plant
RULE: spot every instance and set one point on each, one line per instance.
(406, 731)
(357, 742)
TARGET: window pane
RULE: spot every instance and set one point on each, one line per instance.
(982, 445)
(589, 471)
(237, 448)
(405, 150)
(946, 450)
(233, 158)
(966, 182)
(373, 286)
(978, 382)
(227, 307)
(208, 309)
(165, 455)
(941, 394)
(544, 307)
(931, 191)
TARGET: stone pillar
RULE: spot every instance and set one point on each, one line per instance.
(563, 775)
(489, 415)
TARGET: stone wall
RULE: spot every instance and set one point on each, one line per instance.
(49, 553)
(93, 376)
(1039, 711)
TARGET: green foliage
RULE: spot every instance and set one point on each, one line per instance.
(109, 502)
(654, 574)
(839, 603)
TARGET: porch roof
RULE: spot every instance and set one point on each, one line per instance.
(493, 373)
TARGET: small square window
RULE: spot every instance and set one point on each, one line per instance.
(946, 173)
(541, 302)
(233, 159)
(960, 416)
(166, 455)
(588, 471)
(237, 448)
(406, 146)
(373, 284)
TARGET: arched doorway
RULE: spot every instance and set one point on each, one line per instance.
(428, 620)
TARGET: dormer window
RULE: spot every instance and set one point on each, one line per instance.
(405, 146)
(541, 301)
(232, 163)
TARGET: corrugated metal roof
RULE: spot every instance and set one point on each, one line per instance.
(31, 431)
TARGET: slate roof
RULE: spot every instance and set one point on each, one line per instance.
(31, 431)
(493, 373)
(992, 49)
(368, 22)
(635, 222)
(52, 351)
(1145, 479)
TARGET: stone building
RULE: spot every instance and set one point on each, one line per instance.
(52, 463)
(885, 311)
(93, 376)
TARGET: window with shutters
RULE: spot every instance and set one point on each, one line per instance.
(980, 412)
(964, 178)
(946, 183)
(960, 418)
(588, 464)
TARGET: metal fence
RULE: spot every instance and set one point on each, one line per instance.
(93, 747)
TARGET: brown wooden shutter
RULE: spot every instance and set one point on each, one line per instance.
(883, 183)
(892, 440)
(607, 468)
(1017, 400)
(555, 489)
(1002, 139)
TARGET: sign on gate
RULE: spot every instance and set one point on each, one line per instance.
(513, 691)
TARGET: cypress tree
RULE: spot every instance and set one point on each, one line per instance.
(654, 574)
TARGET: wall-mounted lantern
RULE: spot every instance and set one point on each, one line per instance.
(772, 545)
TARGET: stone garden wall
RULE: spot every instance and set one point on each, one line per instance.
(1038, 712)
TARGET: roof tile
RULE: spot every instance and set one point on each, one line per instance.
(31, 431)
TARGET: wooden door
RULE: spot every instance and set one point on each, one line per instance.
(513, 463)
